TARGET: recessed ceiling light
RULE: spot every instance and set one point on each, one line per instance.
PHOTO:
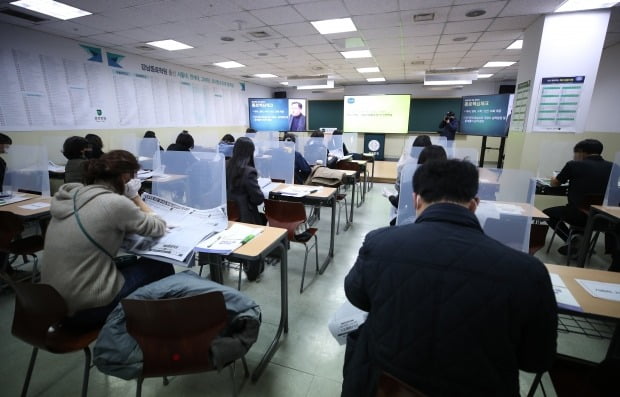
(229, 64)
(51, 8)
(284, 82)
(484, 75)
(170, 45)
(373, 69)
(264, 75)
(375, 79)
(516, 45)
(475, 13)
(580, 5)
(329, 26)
(447, 82)
(498, 64)
(356, 54)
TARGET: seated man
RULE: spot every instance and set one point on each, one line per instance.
(587, 175)
(452, 312)
(302, 168)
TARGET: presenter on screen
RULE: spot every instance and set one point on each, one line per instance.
(448, 126)
(296, 120)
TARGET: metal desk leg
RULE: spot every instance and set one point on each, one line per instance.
(352, 201)
(283, 326)
(330, 254)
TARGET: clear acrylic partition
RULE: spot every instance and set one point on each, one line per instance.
(225, 149)
(505, 196)
(552, 157)
(54, 148)
(149, 155)
(406, 209)
(350, 140)
(467, 154)
(313, 150)
(277, 161)
(26, 170)
(612, 196)
(193, 179)
(267, 136)
(334, 145)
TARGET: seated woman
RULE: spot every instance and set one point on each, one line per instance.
(179, 164)
(96, 146)
(74, 149)
(242, 187)
(108, 206)
(226, 145)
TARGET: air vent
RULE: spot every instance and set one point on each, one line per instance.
(307, 77)
(417, 62)
(245, 76)
(260, 34)
(22, 15)
(145, 48)
(424, 17)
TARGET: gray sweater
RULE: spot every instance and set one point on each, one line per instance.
(84, 275)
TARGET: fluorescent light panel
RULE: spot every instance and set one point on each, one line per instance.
(375, 79)
(356, 54)
(51, 8)
(516, 45)
(229, 64)
(329, 26)
(330, 84)
(170, 45)
(484, 75)
(498, 64)
(265, 75)
(580, 5)
(374, 69)
(284, 82)
(448, 82)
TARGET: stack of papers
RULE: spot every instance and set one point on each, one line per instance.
(229, 240)
(298, 190)
(6, 198)
(598, 289)
(563, 296)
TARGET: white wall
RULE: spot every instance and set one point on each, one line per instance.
(603, 116)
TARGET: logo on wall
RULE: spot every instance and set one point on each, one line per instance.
(114, 59)
(96, 55)
(100, 118)
(374, 145)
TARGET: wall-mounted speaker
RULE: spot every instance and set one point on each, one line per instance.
(507, 89)
(279, 94)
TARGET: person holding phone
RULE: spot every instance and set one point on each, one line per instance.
(448, 126)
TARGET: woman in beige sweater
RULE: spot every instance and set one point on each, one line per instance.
(108, 206)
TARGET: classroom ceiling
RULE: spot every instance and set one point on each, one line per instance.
(275, 36)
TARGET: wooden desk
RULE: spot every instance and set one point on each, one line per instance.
(529, 210)
(326, 197)
(271, 239)
(26, 213)
(599, 214)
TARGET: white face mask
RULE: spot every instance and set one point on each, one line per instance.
(5, 149)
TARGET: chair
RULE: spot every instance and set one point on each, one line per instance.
(389, 386)
(290, 215)
(38, 321)
(588, 201)
(341, 200)
(232, 210)
(11, 226)
(175, 335)
(538, 235)
(353, 166)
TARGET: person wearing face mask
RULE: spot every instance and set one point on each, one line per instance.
(74, 149)
(108, 207)
(5, 143)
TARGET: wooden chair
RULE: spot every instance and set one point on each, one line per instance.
(588, 201)
(353, 166)
(175, 335)
(11, 227)
(38, 321)
(290, 215)
(390, 386)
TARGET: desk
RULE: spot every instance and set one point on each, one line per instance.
(548, 190)
(27, 214)
(325, 197)
(363, 164)
(258, 248)
(349, 179)
(598, 213)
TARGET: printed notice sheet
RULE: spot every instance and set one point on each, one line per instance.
(598, 289)
(563, 295)
(346, 319)
(186, 227)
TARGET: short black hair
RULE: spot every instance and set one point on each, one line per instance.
(228, 138)
(298, 104)
(290, 137)
(432, 153)
(422, 141)
(250, 130)
(450, 113)
(446, 180)
(73, 147)
(149, 134)
(185, 140)
(5, 139)
(589, 146)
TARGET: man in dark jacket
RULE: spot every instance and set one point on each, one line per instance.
(448, 126)
(452, 312)
(587, 175)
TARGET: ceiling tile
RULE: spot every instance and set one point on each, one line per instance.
(509, 23)
(491, 45)
(529, 7)
(454, 47)
(258, 4)
(440, 15)
(391, 32)
(66, 28)
(374, 21)
(295, 29)
(423, 4)
(500, 35)
(318, 49)
(312, 39)
(319, 10)
(361, 7)
(479, 25)
(492, 8)
(274, 16)
(449, 38)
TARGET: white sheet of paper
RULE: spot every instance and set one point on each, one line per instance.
(562, 294)
(346, 319)
(598, 289)
(34, 206)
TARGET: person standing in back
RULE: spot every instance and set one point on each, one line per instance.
(448, 126)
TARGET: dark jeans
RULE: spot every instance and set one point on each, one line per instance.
(567, 213)
(144, 272)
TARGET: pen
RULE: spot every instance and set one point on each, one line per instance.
(314, 191)
(247, 239)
